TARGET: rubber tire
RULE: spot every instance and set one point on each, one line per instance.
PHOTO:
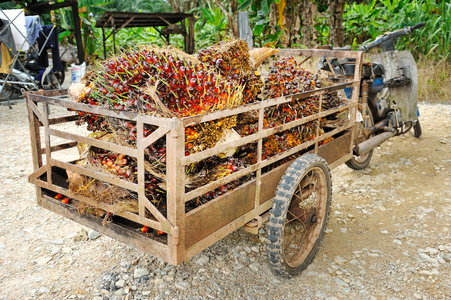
(7, 91)
(417, 129)
(360, 165)
(279, 209)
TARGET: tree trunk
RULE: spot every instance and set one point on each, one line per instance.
(309, 38)
(336, 34)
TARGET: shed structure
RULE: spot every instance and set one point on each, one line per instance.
(165, 23)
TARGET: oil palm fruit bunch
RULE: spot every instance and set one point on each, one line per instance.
(232, 60)
(160, 82)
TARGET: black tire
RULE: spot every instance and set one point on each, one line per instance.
(416, 129)
(294, 213)
(7, 91)
(51, 82)
(362, 161)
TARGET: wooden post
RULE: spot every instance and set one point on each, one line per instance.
(35, 138)
(175, 174)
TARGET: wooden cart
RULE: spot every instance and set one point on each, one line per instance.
(190, 233)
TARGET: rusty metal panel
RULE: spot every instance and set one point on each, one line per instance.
(214, 215)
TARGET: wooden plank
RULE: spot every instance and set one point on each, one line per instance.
(94, 142)
(212, 216)
(64, 119)
(187, 160)
(115, 231)
(90, 201)
(143, 201)
(48, 153)
(95, 174)
(175, 182)
(211, 186)
(262, 104)
(61, 147)
(225, 230)
(125, 115)
(319, 53)
(37, 112)
(154, 136)
(335, 149)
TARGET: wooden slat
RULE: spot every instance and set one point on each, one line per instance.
(187, 160)
(225, 230)
(94, 142)
(64, 119)
(104, 206)
(154, 136)
(319, 53)
(215, 184)
(125, 115)
(143, 201)
(38, 172)
(113, 230)
(61, 147)
(48, 153)
(175, 182)
(262, 104)
(37, 112)
(97, 175)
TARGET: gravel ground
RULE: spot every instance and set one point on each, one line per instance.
(388, 236)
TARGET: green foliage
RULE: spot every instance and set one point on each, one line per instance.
(365, 22)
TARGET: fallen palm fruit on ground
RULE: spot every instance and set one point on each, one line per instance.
(168, 83)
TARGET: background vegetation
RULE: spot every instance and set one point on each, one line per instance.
(288, 24)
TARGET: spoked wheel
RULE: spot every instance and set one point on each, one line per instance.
(362, 161)
(299, 214)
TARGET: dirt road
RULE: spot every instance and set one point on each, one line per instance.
(389, 236)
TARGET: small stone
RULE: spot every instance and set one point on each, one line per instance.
(140, 272)
(220, 264)
(384, 231)
(66, 250)
(120, 283)
(255, 249)
(254, 266)
(120, 292)
(183, 285)
(57, 242)
(202, 260)
(93, 234)
(396, 241)
(97, 298)
(43, 290)
(146, 293)
(43, 261)
(340, 260)
(431, 251)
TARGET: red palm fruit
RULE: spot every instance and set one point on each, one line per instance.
(144, 229)
(192, 82)
(58, 196)
(65, 200)
(160, 232)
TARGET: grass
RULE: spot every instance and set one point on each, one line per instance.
(434, 80)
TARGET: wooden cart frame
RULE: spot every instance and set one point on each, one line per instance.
(191, 232)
